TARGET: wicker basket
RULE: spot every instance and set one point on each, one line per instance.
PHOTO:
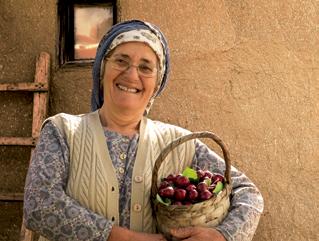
(208, 213)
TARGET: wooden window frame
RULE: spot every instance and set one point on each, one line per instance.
(66, 30)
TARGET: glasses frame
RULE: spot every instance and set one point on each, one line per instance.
(140, 73)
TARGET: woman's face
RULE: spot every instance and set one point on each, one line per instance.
(127, 90)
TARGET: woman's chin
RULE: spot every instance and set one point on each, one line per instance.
(130, 108)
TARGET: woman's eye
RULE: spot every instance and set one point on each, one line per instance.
(121, 62)
(145, 68)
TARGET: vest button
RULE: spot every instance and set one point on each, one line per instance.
(121, 170)
(122, 156)
(138, 179)
(137, 207)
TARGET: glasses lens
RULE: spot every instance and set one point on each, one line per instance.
(146, 70)
(120, 63)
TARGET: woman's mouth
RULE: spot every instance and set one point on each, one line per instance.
(127, 89)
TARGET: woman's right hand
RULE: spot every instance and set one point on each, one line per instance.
(124, 234)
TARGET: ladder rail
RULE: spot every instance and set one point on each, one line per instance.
(40, 89)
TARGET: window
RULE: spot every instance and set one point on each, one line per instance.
(82, 25)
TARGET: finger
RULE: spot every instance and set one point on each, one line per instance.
(182, 232)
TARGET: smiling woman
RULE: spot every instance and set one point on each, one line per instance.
(127, 92)
(95, 183)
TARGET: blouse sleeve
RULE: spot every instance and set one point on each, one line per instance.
(246, 200)
(48, 210)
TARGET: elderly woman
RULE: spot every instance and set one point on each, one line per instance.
(90, 175)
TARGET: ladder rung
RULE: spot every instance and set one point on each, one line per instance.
(26, 86)
(26, 234)
(11, 196)
(18, 141)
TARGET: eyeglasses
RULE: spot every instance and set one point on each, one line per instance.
(144, 69)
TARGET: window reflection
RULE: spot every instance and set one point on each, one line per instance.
(90, 25)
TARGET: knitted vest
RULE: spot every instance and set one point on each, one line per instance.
(92, 178)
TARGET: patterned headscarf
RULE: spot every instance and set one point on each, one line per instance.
(128, 31)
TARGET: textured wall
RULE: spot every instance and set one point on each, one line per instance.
(26, 29)
(247, 70)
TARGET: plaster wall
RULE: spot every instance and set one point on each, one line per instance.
(246, 70)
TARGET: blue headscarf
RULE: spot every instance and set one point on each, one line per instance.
(97, 93)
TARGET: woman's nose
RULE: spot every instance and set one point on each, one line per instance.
(132, 72)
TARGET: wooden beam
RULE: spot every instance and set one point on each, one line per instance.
(18, 141)
(11, 196)
(27, 86)
(26, 234)
(40, 100)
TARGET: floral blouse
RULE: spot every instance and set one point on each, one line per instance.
(53, 214)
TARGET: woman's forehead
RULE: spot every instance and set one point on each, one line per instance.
(135, 50)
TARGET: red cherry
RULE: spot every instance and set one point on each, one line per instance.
(170, 177)
(182, 181)
(200, 174)
(180, 194)
(163, 184)
(192, 195)
(217, 178)
(208, 174)
(190, 187)
(205, 195)
(202, 186)
(167, 192)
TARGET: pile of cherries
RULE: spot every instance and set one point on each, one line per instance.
(183, 190)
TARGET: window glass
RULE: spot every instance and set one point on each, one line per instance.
(90, 24)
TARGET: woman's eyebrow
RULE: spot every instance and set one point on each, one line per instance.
(147, 61)
(126, 56)
(122, 55)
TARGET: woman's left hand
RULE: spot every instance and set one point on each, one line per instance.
(197, 234)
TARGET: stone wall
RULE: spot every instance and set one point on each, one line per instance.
(246, 70)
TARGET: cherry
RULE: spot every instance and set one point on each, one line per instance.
(208, 174)
(182, 181)
(167, 192)
(200, 174)
(192, 195)
(205, 195)
(180, 194)
(163, 184)
(170, 177)
(217, 178)
(202, 186)
(190, 187)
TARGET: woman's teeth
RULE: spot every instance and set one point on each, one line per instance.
(124, 88)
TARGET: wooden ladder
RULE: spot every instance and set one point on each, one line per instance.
(40, 88)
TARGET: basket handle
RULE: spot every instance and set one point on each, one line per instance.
(180, 140)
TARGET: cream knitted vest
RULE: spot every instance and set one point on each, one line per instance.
(92, 179)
